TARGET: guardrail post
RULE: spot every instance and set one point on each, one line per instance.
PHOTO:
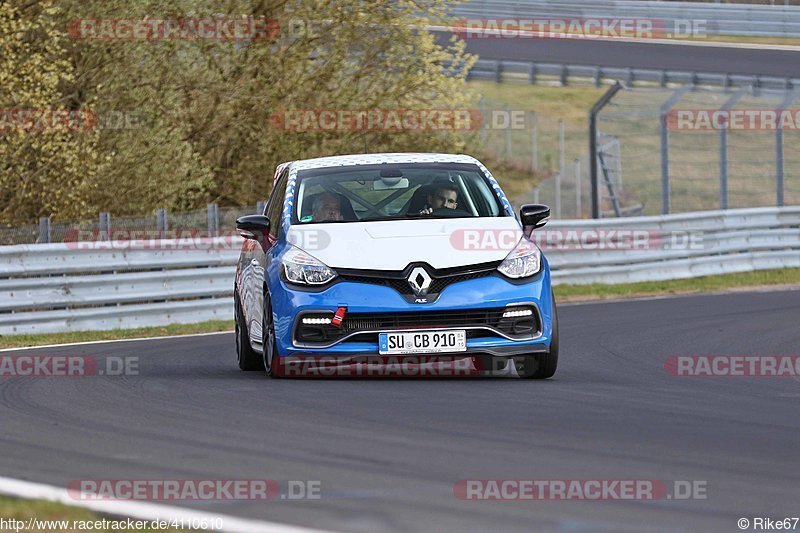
(162, 222)
(723, 148)
(44, 230)
(212, 213)
(593, 167)
(666, 107)
(104, 225)
(498, 71)
(260, 205)
(780, 185)
(563, 77)
(532, 73)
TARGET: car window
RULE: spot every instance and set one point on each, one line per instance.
(394, 192)
(275, 205)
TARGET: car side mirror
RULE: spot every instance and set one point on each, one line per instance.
(533, 216)
(253, 226)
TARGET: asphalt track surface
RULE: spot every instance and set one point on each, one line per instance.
(388, 452)
(714, 59)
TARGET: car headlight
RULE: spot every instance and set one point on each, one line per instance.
(524, 261)
(304, 269)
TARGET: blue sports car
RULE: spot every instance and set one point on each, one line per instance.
(393, 264)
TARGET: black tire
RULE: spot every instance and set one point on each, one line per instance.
(270, 359)
(544, 365)
(249, 359)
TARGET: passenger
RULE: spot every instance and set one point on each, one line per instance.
(326, 208)
(444, 196)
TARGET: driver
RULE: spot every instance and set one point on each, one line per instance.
(326, 208)
(443, 196)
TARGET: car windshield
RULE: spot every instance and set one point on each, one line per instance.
(394, 192)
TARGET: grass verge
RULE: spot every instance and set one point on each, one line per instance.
(512, 164)
(787, 277)
(16, 341)
(745, 39)
(72, 519)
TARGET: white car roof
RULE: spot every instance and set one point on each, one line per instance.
(377, 159)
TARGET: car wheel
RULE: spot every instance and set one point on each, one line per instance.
(271, 360)
(247, 357)
(544, 365)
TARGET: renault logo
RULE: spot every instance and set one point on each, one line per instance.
(420, 281)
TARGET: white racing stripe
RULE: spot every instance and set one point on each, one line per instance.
(142, 510)
(107, 341)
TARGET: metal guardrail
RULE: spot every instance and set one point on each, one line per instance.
(737, 240)
(720, 19)
(94, 286)
(71, 287)
(501, 70)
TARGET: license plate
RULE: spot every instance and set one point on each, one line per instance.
(404, 342)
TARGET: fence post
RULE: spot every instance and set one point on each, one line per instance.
(723, 148)
(212, 214)
(509, 150)
(593, 168)
(578, 206)
(104, 225)
(44, 230)
(666, 107)
(561, 168)
(162, 222)
(534, 142)
(779, 154)
(779, 165)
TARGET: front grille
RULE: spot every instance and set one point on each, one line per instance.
(361, 327)
(440, 279)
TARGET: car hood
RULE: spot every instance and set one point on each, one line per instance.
(392, 245)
